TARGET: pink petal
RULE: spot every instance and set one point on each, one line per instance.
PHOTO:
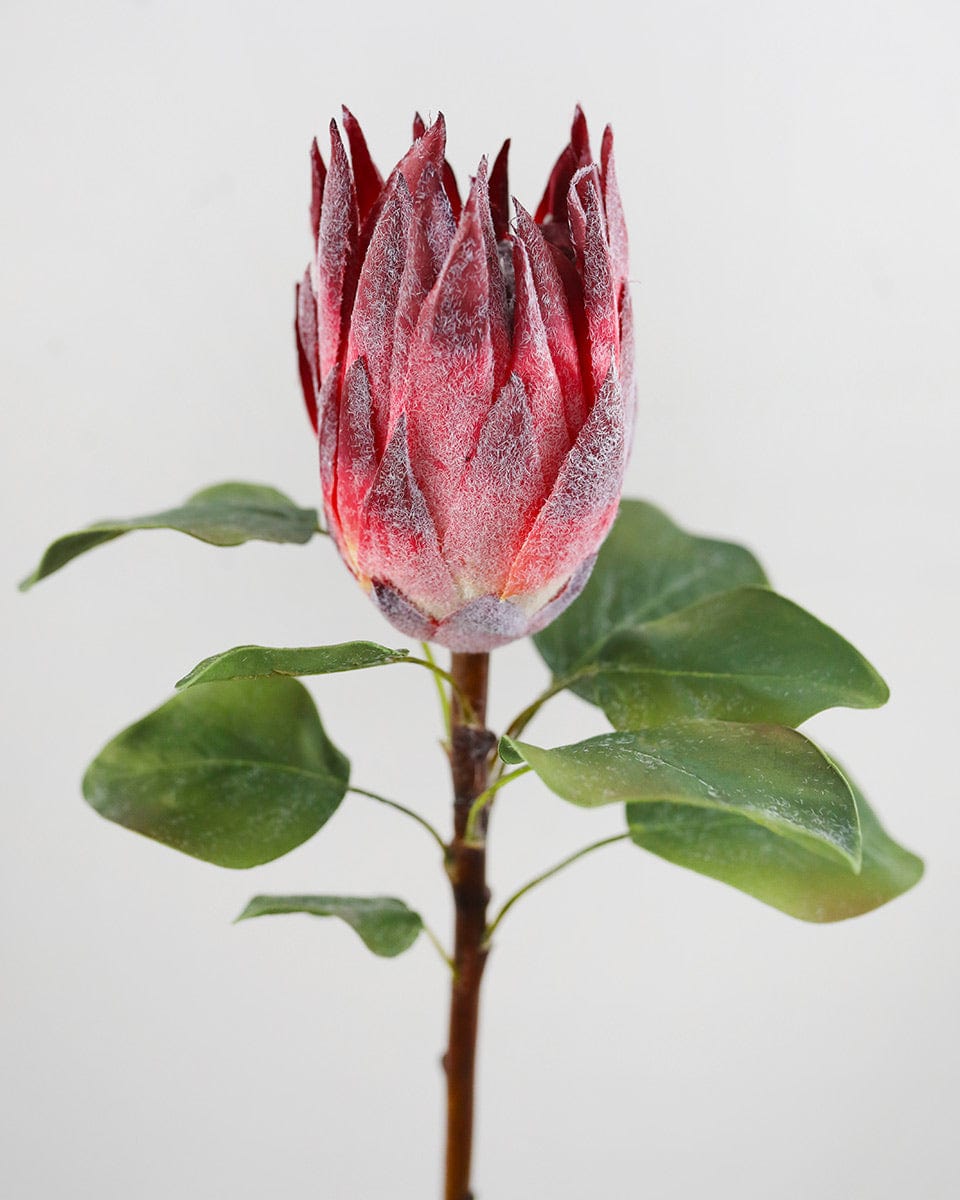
(374, 318)
(369, 181)
(318, 172)
(428, 148)
(583, 503)
(432, 230)
(336, 267)
(453, 192)
(553, 203)
(306, 329)
(533, 366)
(356, 451)
(613, 208)
(398, 543)
(500, 490)
(628, 366)
(328, 426)
(588, 230)
(555, 313)
(580, 137)
(500, 193)
(451, 372)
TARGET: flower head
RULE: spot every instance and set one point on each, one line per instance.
(470, 380)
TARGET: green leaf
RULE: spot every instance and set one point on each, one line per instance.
(760, 775)
(227, 514)
(647, 568)
(234, 773)
(255, 662)
(386, 926)
(744, 655)
(779, 872)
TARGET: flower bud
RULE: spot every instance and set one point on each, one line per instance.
(470, 380)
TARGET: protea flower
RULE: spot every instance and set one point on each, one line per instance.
(470, 381)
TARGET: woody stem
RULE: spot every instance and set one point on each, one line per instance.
(470, 747)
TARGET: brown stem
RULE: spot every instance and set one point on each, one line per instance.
(470, 747)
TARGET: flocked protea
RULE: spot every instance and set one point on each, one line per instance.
(470, 380)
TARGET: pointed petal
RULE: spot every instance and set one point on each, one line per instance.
(501, 489)
(356, 452)
(419, 126)
(500, 193)
(499, 320)
(628, 367)
(428, 148)
(588, 230)
(453, 192)
(373, 323)
(533, 366)
(451, 380)
(335, 277)
(369, 181)
(558, 323)
(553, 203)
(576, 154)
(580, 137)
(613, 208)
(398, 542)
(432, 229)
(306, 329)
(583, 502)
(328, 418)
(318, 173)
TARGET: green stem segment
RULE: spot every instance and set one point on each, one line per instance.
(471, 745)
(480, 809)
(408, 812)
(572, 858)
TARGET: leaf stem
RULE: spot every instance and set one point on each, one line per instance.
(439, 674)
(482, 803)
(422, 821)
(523, 719)
(438, 945)
(438, 677)
(618, 837)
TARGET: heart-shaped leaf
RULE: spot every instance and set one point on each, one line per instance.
(646, 568)
(386, 925)
(743, 655)
(226, 514)
(255, 662)
(763, 775)
(234, 773)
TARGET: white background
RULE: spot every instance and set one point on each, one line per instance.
(790, 174)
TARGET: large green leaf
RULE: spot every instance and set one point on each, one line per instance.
(760, 774)
(386, 926)
(254, 662)
(773, 869)
(234, 773)
(227, 514)
(742, 655)
(646, 568)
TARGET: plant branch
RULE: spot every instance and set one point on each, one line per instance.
(619, 837)
(409, 812)
(470, 748)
